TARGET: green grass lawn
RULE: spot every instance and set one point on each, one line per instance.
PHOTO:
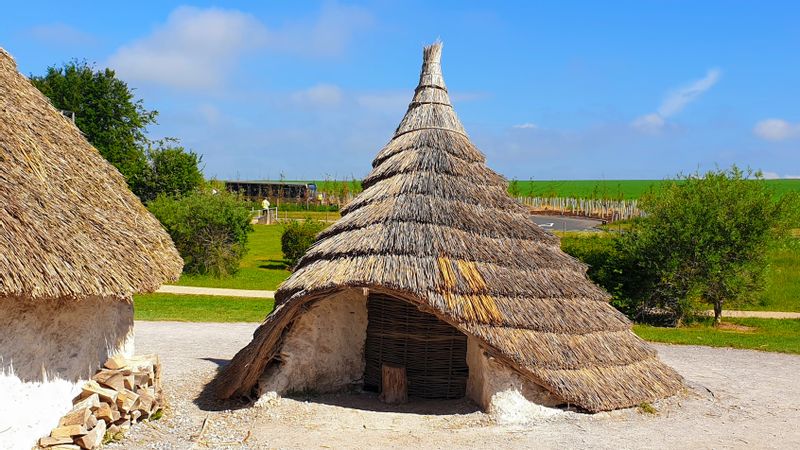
(261, 268)
(200, 308)
(782, 291)
(772, 335)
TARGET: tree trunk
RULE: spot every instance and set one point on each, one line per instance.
(717, 313)
(394, 384)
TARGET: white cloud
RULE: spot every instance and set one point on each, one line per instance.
(321, 95)
(776, 129)
(194, 49)
(526, 126)
(674, 103)
(60, 34)
(198, 48)
(776, 176)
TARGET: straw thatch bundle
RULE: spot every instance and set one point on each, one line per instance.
(69, 226)
(435, 227)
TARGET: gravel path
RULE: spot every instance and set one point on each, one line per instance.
(758, 314)
(739, 399)
(225, 292)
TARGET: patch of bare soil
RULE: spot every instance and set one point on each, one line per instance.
(737, 399)
(725, 326)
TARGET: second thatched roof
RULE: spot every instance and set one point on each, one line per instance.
(69, 226)
(436, 227)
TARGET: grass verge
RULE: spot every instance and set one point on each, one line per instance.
(316, 215)
(771, 335)
(200, 308)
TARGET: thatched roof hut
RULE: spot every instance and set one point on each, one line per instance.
(435, 229)
(71, 228)
(75, 244)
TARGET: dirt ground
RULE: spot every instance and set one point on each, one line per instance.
(738, 399)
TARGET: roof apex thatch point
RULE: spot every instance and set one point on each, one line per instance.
(433, 53)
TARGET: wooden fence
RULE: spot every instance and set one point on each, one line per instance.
(607, 210)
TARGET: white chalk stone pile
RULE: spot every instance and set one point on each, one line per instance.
(125, 391)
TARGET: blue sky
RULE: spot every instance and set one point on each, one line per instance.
(562, 90)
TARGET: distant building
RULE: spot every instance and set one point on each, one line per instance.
(286, 191)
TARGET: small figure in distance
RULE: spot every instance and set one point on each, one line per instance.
(265, 207)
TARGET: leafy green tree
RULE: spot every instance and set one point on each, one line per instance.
(297, 237)
(704, 239)
(173, 171)
(209, 228)
(106, 111)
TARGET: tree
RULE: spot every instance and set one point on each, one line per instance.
(173, 171)
(297, 237)
(106, 111)
(705, 239)
(209, 228)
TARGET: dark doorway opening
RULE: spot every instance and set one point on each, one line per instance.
(432, 351)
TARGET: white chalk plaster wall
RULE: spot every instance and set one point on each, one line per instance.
(323, 351)
(503, 392)
(48, 348)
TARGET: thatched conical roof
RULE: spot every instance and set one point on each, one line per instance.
(436, 227)
(69, 226)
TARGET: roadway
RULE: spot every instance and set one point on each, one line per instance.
(566, 223)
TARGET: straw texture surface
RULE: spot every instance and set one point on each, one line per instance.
(69, 226)
(436, 227)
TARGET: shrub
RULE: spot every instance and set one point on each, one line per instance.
(298, 237)
(608, 267)
(704, 240)
(209, 229)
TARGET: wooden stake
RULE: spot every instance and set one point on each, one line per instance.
(394, 383)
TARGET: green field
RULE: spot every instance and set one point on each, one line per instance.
(616, 189)
(772, 335)
(261, 268)
(613, 189)
(200, 308)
